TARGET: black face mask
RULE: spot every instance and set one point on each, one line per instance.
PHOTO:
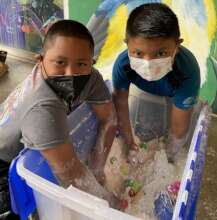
(68, 87)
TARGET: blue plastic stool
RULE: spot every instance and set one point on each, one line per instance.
(22, 198)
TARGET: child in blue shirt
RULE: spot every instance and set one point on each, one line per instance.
(156, 63)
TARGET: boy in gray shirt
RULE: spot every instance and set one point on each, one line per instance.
(35, 113)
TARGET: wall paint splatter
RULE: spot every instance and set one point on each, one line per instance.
(24, 22)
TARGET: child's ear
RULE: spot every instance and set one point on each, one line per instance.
(180, 41)
(39, 57)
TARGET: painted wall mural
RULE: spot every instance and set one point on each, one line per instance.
(24, 22)
(197, 19)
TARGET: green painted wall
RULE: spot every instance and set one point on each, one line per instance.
(82, 10)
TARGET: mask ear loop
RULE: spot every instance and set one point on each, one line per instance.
(42, 64)
(173, 57)
(174, 53)
(177, 48)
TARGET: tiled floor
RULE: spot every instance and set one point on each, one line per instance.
(207, 206)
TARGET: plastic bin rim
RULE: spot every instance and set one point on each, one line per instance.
(41, 185)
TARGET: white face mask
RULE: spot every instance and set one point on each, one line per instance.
(151, 70)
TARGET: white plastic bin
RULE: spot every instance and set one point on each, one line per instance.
(56, 203)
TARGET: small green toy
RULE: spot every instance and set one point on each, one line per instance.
(143, 146)
(124, 169)
(112, 160)
(134, 185)
(128, 183)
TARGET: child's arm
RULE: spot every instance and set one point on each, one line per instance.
(70, 171)
(179, 125)
(45, 128)
(180, 120)
(106, 133)
(122, 108)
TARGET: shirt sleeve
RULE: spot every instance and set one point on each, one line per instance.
(187, 95)
(45, 126)
(119, 77)
(97, 92)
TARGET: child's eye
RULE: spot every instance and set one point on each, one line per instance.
(60, 62)
(137, 53)
(82, 64)
(161, 54)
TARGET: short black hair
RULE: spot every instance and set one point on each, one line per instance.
(67, 28)
(152, 20)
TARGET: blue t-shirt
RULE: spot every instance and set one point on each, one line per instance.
(182, 84)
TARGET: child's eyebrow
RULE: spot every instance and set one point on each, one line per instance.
(137, 50)
(61, 57)
(82, 59)
(162, 48)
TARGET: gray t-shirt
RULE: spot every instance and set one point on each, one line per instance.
(35, 116)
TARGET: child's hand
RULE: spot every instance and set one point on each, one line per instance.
(173, 147)
(134, 147)
(96, 164)
(132, 157)
(132, 154)
(114, 202)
